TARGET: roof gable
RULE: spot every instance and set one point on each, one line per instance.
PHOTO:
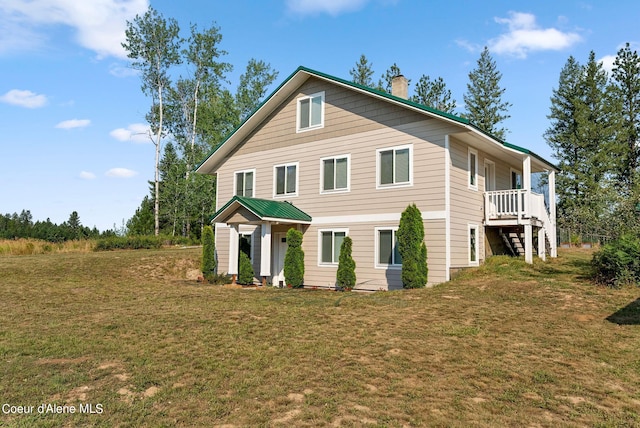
(248, 210)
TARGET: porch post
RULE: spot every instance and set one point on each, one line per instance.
(265, 252)
(526, 185)
(234, 244)
(528, 243)
(552, 214)
(541, 246)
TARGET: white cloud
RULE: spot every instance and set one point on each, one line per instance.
(121, 173)
(136, 132)
(26, 99)
(85, 175)
(99, 25)
(73, 123)
(525, 36)
(607, 62)
(332, 7)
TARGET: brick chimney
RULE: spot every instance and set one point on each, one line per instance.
(400, 87)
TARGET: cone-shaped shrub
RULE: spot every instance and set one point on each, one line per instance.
(245, 268)
(294, 259)
(412, 249)
(208, 264)
(346, 275)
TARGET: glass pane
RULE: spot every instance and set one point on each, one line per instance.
(248, 184)
(386, 167)
(316, 111)
(385, 238)
(472, 244)
(239, 184)
(337, 243)
(472, 169)
(280, 180)
(326, 247)
(291, 179)
(304, 113)
(328, 175)
(397, 259)
(402, 166)
(341, 173)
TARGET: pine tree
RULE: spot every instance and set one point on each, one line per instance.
(208, 263)
(434, 94)
(483, 100)
(294, 259)
(245, 270)
(412, 248)
(362, 72)
(346, 274)
(384, 84)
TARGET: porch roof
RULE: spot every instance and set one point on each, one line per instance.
(263, 210)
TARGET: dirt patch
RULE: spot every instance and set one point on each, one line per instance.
(150, 392)
(287, 416)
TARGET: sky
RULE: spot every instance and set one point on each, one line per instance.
(72, 113)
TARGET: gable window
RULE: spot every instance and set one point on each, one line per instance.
(395, 166)
(286, 179)
(334, 174)
(387, 253)
(473, 169)
(473, 245)
(245, 183)
(330, 243)
(311, 112)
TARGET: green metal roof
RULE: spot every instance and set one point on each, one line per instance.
(266, 209)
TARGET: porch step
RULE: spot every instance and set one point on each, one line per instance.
(514, 242)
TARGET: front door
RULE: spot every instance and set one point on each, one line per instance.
(279, 251)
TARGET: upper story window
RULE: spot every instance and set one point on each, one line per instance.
(334, 174)
(516, 179)
(286, 180)
(473, 169)
(395, 166)
(245, 183)
(311, 112)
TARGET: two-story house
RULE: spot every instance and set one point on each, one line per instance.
(334, 159)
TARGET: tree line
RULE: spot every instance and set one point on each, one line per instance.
(16, 226)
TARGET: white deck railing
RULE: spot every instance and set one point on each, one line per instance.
(515, 204)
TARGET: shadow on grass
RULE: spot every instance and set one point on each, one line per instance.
(629, 315)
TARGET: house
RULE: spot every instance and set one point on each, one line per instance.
(333, 158)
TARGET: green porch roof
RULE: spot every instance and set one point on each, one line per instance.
(264, 209)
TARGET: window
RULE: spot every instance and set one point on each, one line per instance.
(311, 112)
(334, 174)
(330, 243)
(473, 169)
(489, 175)
(387, 254)
(245, 244)
(394, 166)
(516, 179)
(245, 182)
(286, 180)
(473, 245)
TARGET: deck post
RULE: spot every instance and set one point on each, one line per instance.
(552, 214)
(541, 247)
(528, 243)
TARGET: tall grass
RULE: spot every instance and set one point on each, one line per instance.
(26, 247)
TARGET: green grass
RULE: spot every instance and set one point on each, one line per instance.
(507, 344)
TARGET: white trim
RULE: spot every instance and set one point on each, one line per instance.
(235, 181)
(376, 254)
(394, 185)
(491, 164)
(310, 97)
(447, 207)
(332, 230)
(473, 152)
(475, 227)
(265, 249)
(331, 191)
(275, 180)
(369, 218)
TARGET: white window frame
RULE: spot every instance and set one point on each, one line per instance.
(409, 183)
(473, 152)
(377, 263)
(518, 172)
(477, 231)
(333, 242)
(310, 98)
(275, 180)
(235, 181)
(490, 166)
(345, 190)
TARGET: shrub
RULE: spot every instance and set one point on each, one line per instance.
(245, 270)
(618, 263)
(128, 243)
(294, 259)
(346, 274)
(208, 264)
(412, 249)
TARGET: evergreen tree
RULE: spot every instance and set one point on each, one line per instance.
(483, 100)
(346, 274)
(362, 72)
(412, 248)
(208, 263)
(245, 270)
(141, 223)
(384, 84)
(294, 259)
(434, 94)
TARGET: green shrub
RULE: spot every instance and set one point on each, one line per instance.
(129, 243)
(346, 274)
(208, 263)
(294, 259)
(412, 249)
(245, 270)
(618, 263)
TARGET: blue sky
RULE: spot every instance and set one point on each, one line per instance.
(72, 112)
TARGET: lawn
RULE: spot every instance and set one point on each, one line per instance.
(129, 334)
